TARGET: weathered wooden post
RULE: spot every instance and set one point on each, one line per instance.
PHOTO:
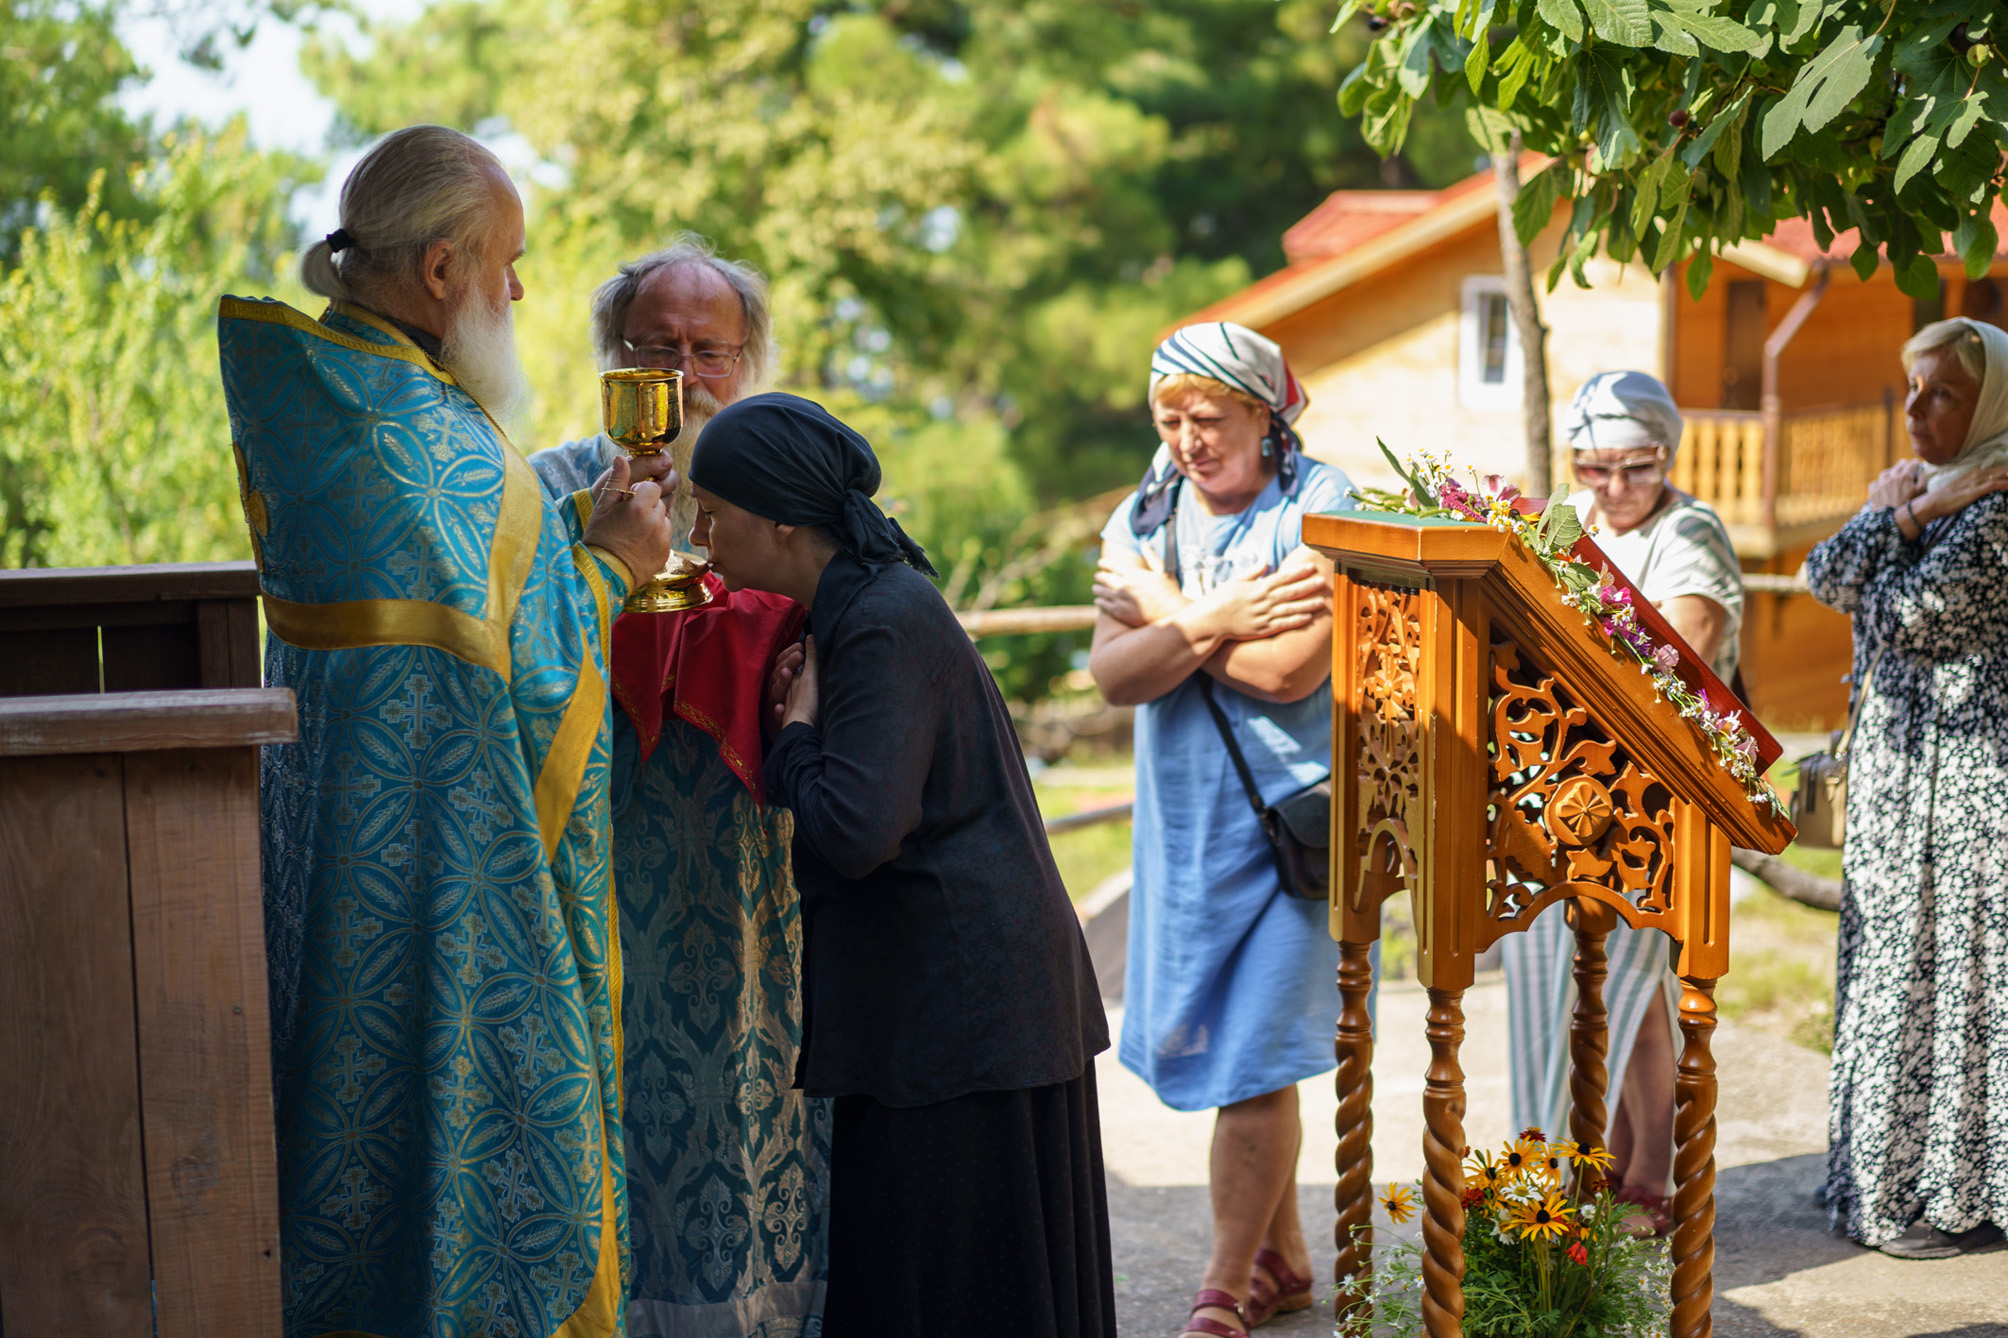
(138, 1182)
(1493, 756)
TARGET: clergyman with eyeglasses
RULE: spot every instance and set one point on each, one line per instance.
(728, 1164)
(1623, 433)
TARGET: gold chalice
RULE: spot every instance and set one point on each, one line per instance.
(642, 410)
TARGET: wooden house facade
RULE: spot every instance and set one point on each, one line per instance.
(1392, 311)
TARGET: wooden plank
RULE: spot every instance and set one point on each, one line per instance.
(198, 935)
(1010, 622)
(147, 721)
(36, 664)
(27, 619)
(247, 665)
(151, 659)
(121, 585)
(73, 1236)
(212, 643)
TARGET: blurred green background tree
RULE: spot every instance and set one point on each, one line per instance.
(978, 218)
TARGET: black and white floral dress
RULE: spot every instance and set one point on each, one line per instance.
(1918, 1113)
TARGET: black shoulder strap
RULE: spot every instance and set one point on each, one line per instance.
(1233, 748)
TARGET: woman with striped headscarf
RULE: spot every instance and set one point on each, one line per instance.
(1207, 599)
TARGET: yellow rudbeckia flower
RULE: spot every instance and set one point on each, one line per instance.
(1399, 1202)
(1549, 1216)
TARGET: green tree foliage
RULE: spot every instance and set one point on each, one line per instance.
(114, 443)
(1682, 126)
(989, 207)
(978, 215)
(58, 124)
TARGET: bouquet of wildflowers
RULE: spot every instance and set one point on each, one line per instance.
(1546, 1254)
(1550, 533)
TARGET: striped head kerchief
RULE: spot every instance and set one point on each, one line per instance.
(1235, 356)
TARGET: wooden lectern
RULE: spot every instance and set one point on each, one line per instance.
(138, 1183)
(1493, 755)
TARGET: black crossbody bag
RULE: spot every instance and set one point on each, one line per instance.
(1299, 827)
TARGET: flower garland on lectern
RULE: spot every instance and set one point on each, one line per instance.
(1549, 532)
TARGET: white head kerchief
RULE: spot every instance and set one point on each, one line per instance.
(1987, 439)
(1234, 355)
(1615, 411)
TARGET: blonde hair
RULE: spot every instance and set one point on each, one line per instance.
(414, 187)
(1186, 383)
(1963, 339)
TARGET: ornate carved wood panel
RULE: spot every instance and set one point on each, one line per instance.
(1571, 811)
(1392, 812)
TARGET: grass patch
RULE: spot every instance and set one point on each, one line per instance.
(1781, 966)
(1087, 855)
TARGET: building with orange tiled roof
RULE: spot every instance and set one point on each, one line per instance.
(1392, 312)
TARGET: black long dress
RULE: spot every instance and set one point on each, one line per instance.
(948, 1001)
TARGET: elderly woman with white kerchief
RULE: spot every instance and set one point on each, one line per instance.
(1917, 1123)
(1623, 432)
(1207, 599)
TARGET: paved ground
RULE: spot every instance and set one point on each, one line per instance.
(1778, 1273)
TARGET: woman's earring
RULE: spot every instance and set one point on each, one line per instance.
(1267, 449)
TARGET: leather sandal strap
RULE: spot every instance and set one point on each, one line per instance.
(1201, 1324)
(1288, 1283)
(1214, 1298)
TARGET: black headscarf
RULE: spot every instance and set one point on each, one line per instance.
(788, 459)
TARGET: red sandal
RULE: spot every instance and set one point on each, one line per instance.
(1215, 1300)
(1290, 1291)
(1655, 1208)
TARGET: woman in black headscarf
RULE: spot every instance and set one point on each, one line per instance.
(948, 1002)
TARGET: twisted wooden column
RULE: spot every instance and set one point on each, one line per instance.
(1694, 1164)
(1589, 1029)
(1443, 1178)
(1354, 1160)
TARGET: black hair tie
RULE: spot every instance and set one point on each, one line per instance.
(339, 240)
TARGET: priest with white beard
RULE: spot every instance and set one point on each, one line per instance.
(727, 1163)
(439, 915)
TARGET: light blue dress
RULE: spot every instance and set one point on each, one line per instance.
(1231, 986)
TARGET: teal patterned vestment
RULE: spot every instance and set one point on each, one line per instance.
(439, 911)
(728, 1163)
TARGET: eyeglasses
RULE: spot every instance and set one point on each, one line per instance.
(1637, 473)
(705, 362)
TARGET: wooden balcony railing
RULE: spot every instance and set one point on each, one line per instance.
(1781, 480)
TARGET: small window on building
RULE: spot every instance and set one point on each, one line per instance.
(1488, 355)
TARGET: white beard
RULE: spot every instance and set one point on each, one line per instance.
(699, 407)
(480, 350)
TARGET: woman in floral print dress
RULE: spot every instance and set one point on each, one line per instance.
(1917, 1161)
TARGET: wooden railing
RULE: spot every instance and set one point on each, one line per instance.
(1721, 461)
(1783, 481)
(1829, 457)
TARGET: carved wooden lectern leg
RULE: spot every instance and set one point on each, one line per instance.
(1694, 1164)
(1589, 1030)
(1443, 1177)
(1354, 1160)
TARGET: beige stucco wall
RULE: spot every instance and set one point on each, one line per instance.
(1380, 358)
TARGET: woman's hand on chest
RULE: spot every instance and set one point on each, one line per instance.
(1135, 595)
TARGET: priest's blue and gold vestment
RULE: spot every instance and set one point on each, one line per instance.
(439, 908)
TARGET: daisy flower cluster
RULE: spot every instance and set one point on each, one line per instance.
(1549, 1252)
(1550, 533)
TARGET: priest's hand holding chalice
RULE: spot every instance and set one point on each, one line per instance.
(641, 409)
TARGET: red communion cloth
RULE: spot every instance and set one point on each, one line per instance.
(707, 666)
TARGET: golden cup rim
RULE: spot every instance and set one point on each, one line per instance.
(640, 375)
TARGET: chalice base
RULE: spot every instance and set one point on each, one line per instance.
(675, 588)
